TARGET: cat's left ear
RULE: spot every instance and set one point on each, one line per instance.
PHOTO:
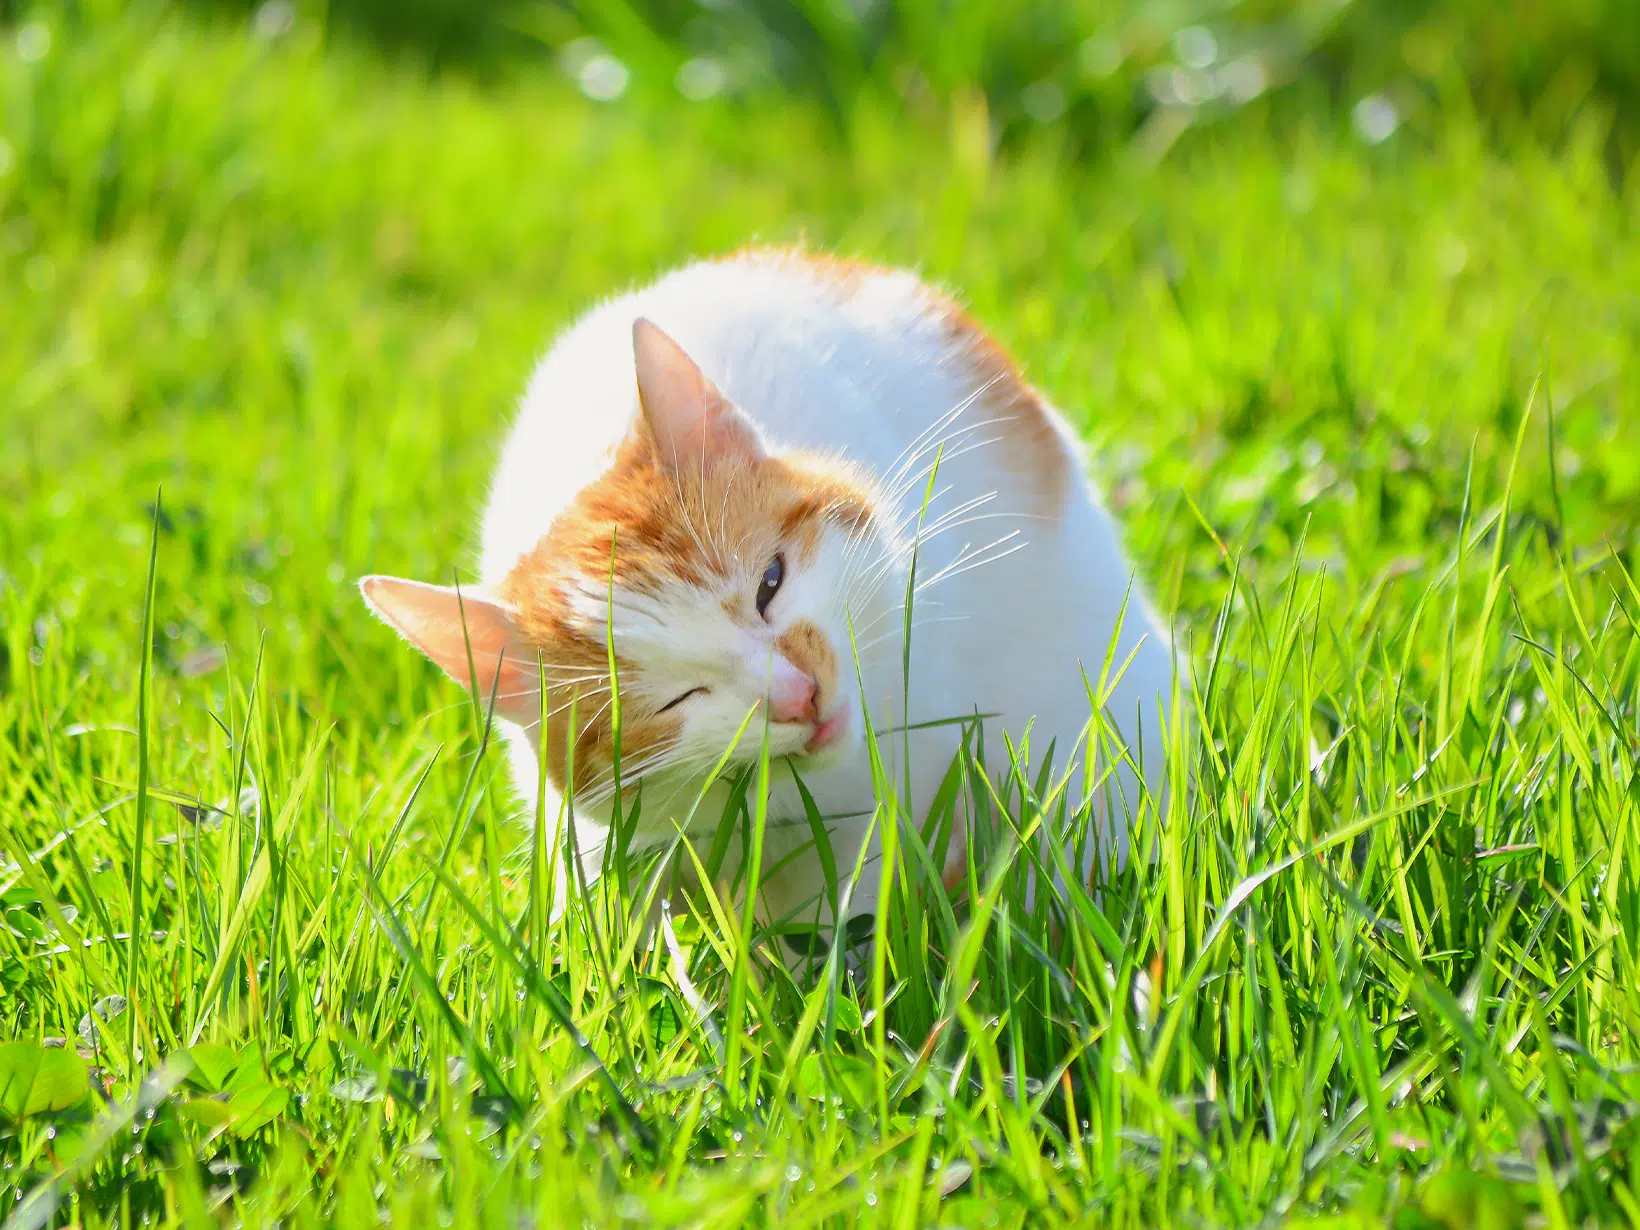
(447, 625)
(692, 424)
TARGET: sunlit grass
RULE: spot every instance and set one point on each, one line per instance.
(1366, 413)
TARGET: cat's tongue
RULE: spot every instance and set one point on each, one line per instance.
(826, 733)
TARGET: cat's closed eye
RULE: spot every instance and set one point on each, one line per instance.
(773, 575)
(678, 700)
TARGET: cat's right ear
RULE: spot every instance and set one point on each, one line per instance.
(444, 623)
(691, 423)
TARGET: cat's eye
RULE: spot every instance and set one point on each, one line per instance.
(770, 584)
(676, 701)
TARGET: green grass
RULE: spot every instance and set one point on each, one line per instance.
(1367, 413)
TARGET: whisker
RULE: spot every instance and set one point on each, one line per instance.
(658, 760)
(896, 611)
(578, 685)
(604, 708)
(921, 441)
(915, 624)
(952, 570)
(946, 450)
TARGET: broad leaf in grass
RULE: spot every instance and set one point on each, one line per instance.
(213, 1065)
(36, 1081)
(255, 1106)
(213, 1114)
(844, 1077)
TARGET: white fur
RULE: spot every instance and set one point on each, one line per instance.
(1019, 607)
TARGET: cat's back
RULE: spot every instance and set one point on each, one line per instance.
(825, 355)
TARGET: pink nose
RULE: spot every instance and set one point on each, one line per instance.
(791, 697)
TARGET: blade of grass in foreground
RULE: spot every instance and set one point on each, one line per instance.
(517, 954)
(139, 841)
(428, 986)
(256, 884)
(739, 976)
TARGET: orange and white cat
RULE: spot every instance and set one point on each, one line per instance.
(726, 475)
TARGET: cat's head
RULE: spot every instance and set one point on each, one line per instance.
(727, 579)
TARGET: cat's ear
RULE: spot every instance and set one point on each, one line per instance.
(443, 623)
(691, 423)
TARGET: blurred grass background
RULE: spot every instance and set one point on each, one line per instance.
(1343, 296)
(1096, 71)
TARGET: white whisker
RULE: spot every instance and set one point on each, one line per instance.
(964, 564)
(916, 622)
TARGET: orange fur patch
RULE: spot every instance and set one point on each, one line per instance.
(809, 649)
(844, 273)
(653, 529)
(575, 667)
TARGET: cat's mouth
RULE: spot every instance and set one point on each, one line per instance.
(828, 733)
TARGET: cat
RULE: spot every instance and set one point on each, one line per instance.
(733, 478)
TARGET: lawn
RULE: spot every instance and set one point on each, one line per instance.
(1358, 361)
